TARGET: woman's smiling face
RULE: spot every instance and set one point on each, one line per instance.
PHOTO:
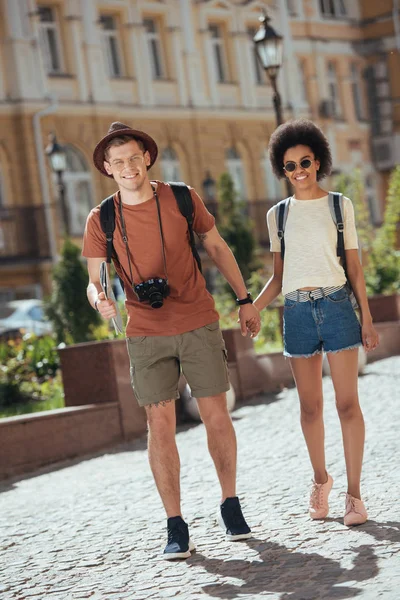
(305, 176)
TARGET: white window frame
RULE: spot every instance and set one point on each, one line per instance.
(332, 81)
(302, 81)
(292, 7)
(155, 48)
(170, 165)
(333, 9)
(236, 170)
(110, 37)
(217, 43)
(46, 28)
(356, 90)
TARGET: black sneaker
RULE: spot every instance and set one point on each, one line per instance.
(179, 544)
(231, 519)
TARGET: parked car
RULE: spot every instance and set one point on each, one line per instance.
(25, 316)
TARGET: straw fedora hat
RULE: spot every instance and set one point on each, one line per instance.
(117, 129)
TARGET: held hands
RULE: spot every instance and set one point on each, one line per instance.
(249, 319)
(105, 307)
(370, 337)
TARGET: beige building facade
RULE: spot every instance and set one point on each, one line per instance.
(185, 72)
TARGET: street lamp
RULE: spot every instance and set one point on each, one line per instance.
(269, 49)
(209, 188)
(58, 161)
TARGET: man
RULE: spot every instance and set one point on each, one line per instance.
(151, 241)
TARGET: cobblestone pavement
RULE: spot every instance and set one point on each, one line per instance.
(95, 528)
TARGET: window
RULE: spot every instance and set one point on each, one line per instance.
(111, 45)
(273, 184)
(154, 45)
(217, 45)
(292, 8)
(50, 40)
(333, 9)
(333, 90)
(236, 171)
(259, 75)
(356, 91)
(78, 190)
(170, 166)
(303, 82)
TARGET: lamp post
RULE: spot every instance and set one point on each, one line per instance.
(209, 187)
(58, 161)
(269, 49)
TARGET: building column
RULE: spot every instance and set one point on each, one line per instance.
(179, 66)
(211, 70)
(244, 74)
(74, 22)
(195, 83)
(96, 76)
(138, 44)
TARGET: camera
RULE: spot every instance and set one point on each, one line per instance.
(152, 291)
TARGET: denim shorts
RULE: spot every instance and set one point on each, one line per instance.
(328, 324)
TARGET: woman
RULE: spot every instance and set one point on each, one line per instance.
(318, 314)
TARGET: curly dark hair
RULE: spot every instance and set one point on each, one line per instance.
(295, 133)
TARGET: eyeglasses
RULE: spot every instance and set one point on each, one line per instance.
(133, 161)
(291, 165)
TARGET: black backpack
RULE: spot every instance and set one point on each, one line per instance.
(185, 204)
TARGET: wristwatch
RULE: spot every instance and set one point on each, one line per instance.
(247, 300)
(96, 303)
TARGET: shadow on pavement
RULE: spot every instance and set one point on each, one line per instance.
(296, 575)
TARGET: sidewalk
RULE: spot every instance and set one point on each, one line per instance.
(95, 528)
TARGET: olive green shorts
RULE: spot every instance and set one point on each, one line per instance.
(157, 361)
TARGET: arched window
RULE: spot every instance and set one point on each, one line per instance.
(171, 170)
(236, 171)
(274, 186)
(78, 190)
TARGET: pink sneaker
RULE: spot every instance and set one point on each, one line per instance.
(355, 513)
(319, 507)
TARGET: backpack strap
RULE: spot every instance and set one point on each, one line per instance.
(185, 203)
(336, 207)
(107, 221)
(281, 215)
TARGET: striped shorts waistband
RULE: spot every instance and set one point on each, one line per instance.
(304, 296)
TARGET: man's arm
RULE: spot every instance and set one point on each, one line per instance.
(94, 292)
(222, 256)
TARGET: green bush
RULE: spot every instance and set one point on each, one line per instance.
(68, 308)
(382, 268)
(383, 272)
(29, 372)
(235, 227)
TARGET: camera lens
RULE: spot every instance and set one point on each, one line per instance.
(156, 300)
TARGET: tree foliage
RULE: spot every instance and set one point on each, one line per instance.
(235, 226)
(382, 269)
(68, 309)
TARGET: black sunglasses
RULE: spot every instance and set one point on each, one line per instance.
(291, 165)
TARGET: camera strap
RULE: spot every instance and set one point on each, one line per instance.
(125, 237)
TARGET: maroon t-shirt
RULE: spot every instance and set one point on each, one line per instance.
(189, 305)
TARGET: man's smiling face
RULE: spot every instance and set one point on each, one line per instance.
(128, 165)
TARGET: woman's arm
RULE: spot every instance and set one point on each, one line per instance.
(273, 287)
(355, 275)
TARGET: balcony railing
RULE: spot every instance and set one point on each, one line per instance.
(23, 234)
(256, 210)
